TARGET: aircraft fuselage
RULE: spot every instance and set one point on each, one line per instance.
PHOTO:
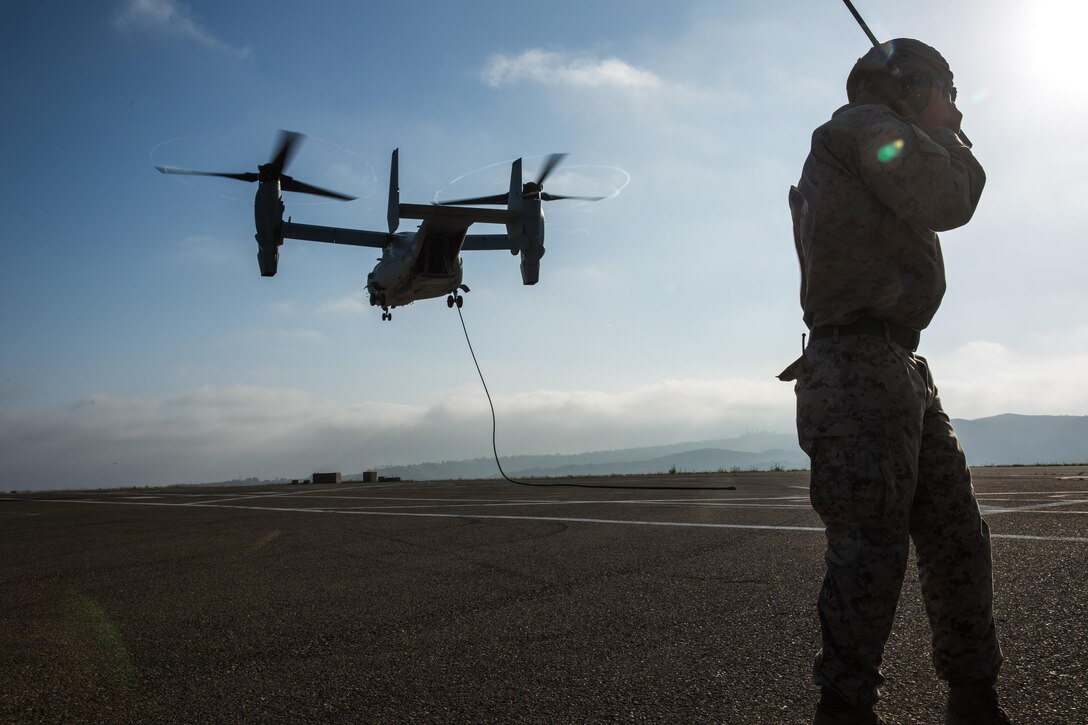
(414, 266)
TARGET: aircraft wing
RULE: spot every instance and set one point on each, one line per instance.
(454, 221)
(457, 215)
(333, 235)
(491, 241)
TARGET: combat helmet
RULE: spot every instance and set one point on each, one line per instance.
(919, 64)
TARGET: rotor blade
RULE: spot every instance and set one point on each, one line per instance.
(288, 143)
(545, 196)
(247, 176)
(289, 184)
(549, 166)
(497, 199)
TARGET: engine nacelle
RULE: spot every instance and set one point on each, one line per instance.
(268, 260)
(530, 269)
(532, 241)
(268, 218)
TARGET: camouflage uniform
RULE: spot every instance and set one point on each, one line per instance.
(887, 467)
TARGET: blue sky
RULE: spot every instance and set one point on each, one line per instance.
(140, 344)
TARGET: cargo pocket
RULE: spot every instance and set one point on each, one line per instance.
(853, 482)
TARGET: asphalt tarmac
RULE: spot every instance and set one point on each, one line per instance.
(485, 602)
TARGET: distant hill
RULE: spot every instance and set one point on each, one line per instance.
(999, 440)
(755, 451)
(1005, 440)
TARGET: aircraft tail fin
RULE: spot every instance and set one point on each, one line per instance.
(514, 202)
(393, 214)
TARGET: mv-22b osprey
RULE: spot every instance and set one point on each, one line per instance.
(414, 265)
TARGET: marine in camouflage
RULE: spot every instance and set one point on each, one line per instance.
(873, 194)
(887, 468)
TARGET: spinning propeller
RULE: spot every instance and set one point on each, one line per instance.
(529, 190)
(272, 171)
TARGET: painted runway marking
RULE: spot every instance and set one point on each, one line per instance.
(545, 519)
(1059, 513)
(454, 503)
(254, 495)
(1032, 537)
(1031, 507)
(369, 512)
(986, 494)
(423, 502)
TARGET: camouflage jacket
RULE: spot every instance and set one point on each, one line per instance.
(874, 191)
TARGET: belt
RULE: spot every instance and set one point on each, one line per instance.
(906, 337)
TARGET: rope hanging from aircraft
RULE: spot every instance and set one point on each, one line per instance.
(495, 449)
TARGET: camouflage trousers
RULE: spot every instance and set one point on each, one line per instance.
(888, 469)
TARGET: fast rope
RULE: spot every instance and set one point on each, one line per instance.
(495, 449)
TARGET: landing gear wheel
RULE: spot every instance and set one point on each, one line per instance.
(449, 302)
(387, 316)
(460, 301)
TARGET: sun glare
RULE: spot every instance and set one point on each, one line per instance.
(1054, 36)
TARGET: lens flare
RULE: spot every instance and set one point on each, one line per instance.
(100, 639)
(889, 151)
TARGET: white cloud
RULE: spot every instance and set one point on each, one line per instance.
(299, 335)
(354, 303)
(218, 433)
(558, 69)
(170, 17)
(280, 336)
(985, 378)
(205, 250)
(283, 308)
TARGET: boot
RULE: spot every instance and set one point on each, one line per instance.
(974, 703)
(834, 710)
